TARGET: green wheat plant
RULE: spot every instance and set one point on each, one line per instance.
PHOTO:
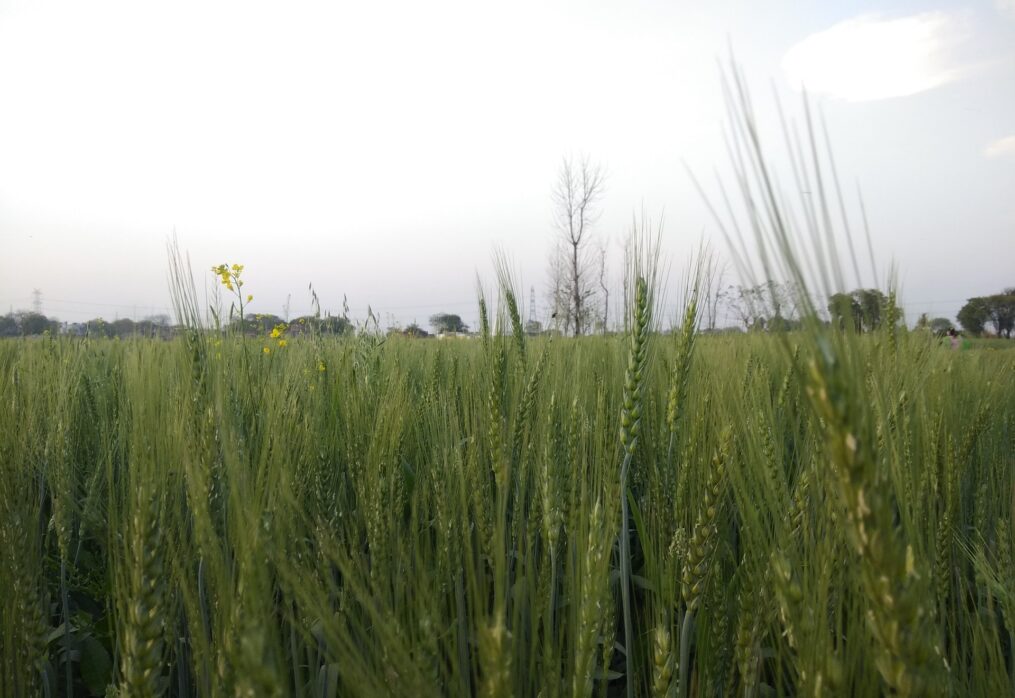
(660, 512)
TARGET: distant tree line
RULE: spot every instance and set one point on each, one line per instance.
(442, 323)
(27, 324)
(767, 307)
(263, 323)
(778, 307)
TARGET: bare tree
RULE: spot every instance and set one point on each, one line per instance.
(559, 294)
(605, 289)
(770, 305)
(741, 301)
(713, 291)
(628, 282)
(576, 195)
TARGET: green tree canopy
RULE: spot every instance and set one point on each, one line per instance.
(35, 323)
(446, 322)
(973, 315)
(940, 325)
(996, 312)
(1001, 312)
(122, 327)
(414, 330)
(845, 311)
(8, 326)
(861, 310)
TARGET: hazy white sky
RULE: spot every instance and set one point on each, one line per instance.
(381, 150)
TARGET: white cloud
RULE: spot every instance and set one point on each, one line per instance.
(1006, 8)
(1001, 147)
(871, 57)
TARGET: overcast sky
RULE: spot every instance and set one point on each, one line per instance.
(381, 150)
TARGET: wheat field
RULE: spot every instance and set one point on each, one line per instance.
(817, 512)
(654, 514)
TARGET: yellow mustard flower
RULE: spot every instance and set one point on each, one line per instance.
(249, 298)
(282, 343)
(267, 350)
